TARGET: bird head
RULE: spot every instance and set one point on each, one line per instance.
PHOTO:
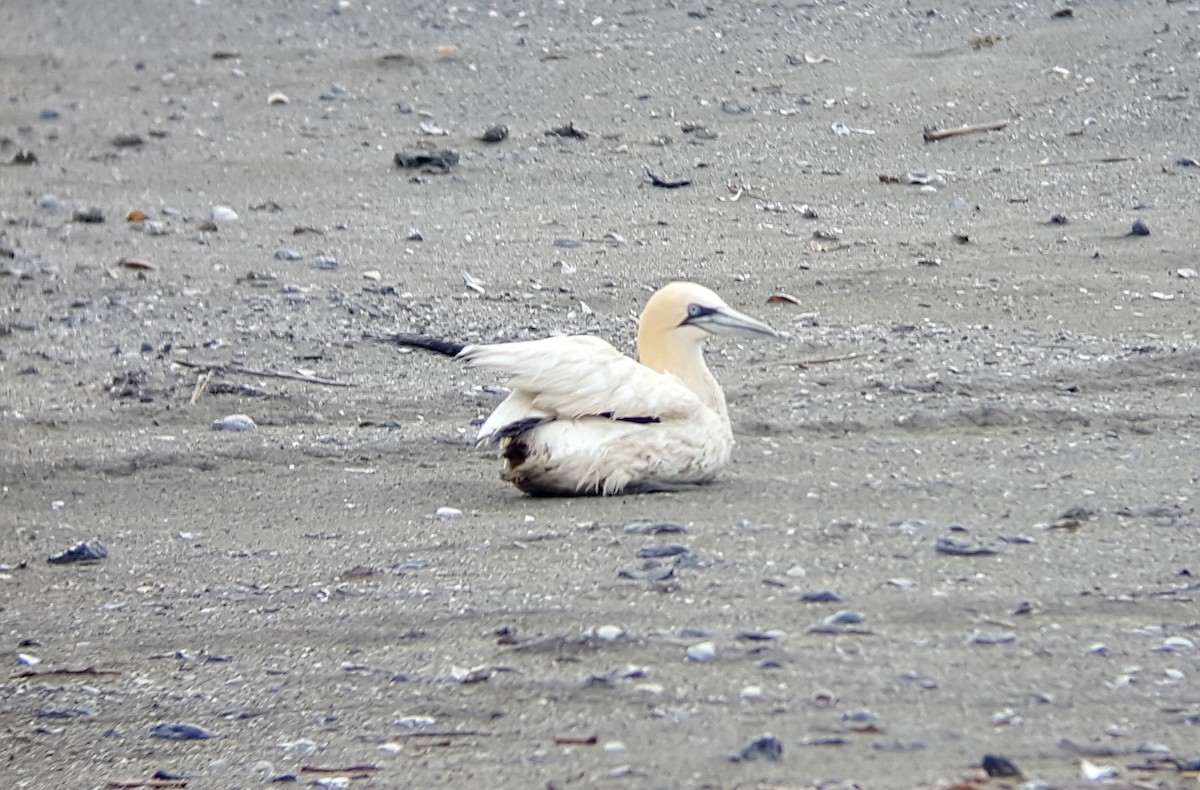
(686, 311)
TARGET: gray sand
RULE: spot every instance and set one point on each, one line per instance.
(257, 584)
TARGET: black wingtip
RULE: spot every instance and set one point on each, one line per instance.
(435, 344)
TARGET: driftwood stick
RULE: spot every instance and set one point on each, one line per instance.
(1103, 160)
(941, 134)
(270, 374)
(201, 386)
(45, 673)
(803, 363)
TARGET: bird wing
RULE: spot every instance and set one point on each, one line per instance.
(578, 376)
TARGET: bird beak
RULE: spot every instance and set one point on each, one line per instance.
(727, 321)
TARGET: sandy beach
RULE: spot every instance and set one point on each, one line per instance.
(961, 518)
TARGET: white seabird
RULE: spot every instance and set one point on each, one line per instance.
(585, 419)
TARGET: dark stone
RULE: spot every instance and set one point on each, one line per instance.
(997, 765)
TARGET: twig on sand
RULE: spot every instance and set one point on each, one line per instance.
(1103, 160)
(932, 135)
(803, 363)
(201, 386)
(666, 183)
(270, 374)
(45, 673)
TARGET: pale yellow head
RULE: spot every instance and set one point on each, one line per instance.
(674, 325)
(682, 313)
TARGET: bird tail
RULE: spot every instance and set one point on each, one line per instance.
(447, 347)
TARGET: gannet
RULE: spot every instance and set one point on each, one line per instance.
(584, 419)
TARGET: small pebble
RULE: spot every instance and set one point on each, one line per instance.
(767, 747)
(1186, 273)
(920, 178)
(659, 550)
(223, 214)
(152, 228)
(927, 683)
(50, 203)
(494, 134)
(657, 573)
(820, 596)
(325, 263)
(1175, 644)
(238, 423)
(128, 141)
(90, 216)
(466, 676)
(955, 548)
(414, 235)
(435, 161)
(80, 552)
(284, 254)
(991, 638)
(180, 732)
(609, 633)
(860, 718)
(652, 528)
(1097, 773)
(998, 765)
(447, 513)
(1058, 219)
(49, 114)
(702, 652)
(27, 660)
(1139, 228)
(845, 617)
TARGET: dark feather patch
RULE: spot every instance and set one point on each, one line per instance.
(514, 429)
(436, 344)
(516, 453)
(608, 415)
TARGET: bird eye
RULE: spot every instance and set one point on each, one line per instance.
(695, 311)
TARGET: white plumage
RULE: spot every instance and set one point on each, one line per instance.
(583, 418)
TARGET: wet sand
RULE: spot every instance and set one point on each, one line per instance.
(959, 367)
